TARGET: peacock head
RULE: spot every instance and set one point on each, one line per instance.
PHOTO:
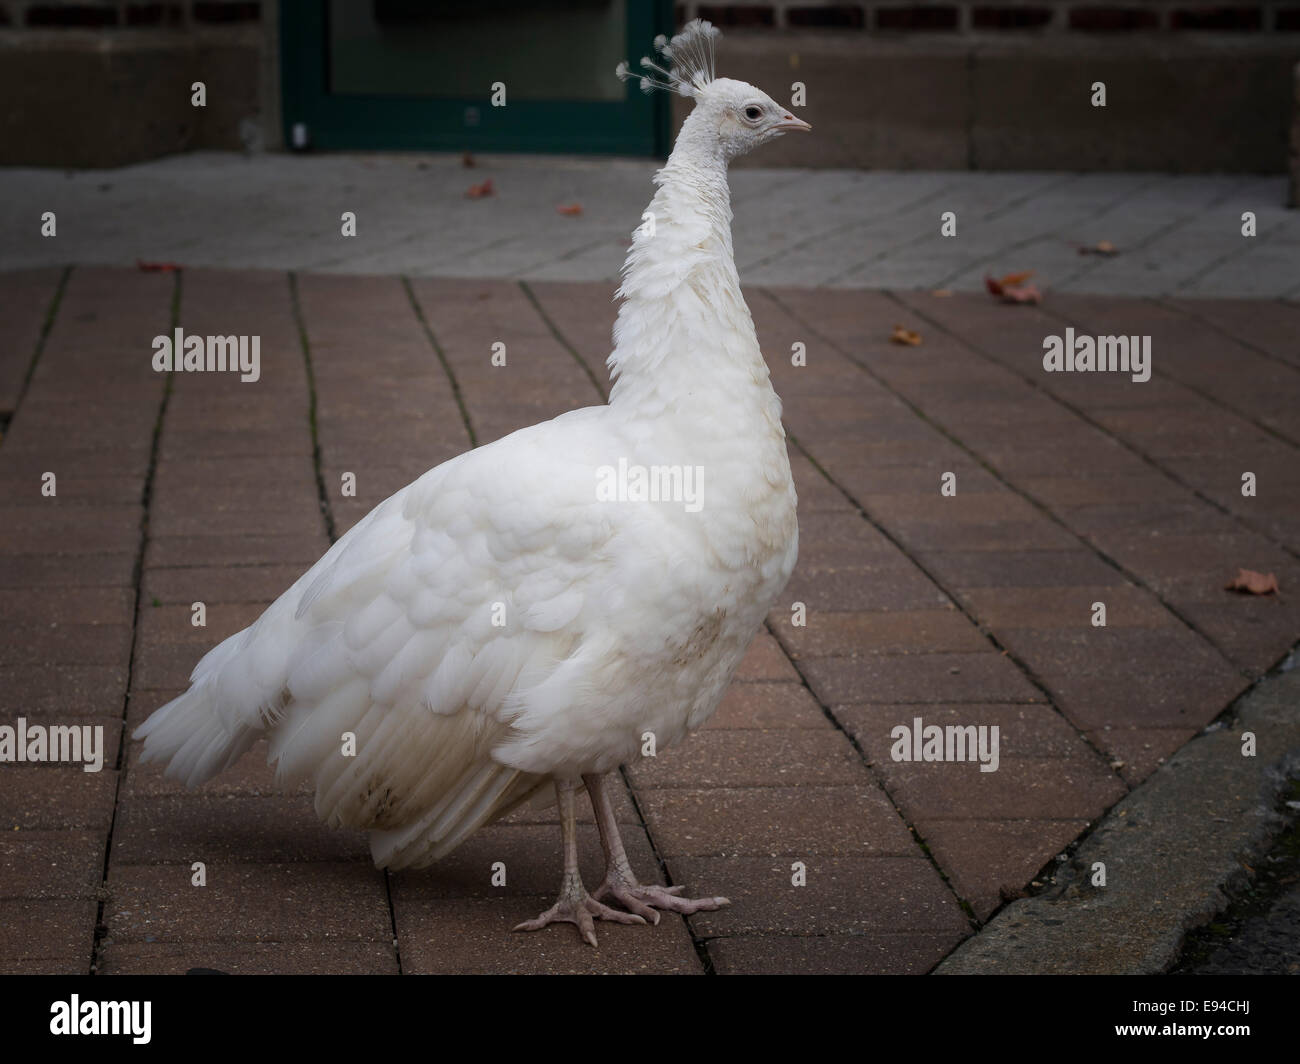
(739, 115)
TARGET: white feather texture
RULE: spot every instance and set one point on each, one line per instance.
(690, 61)
(497, 623)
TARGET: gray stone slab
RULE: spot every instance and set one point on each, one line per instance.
(1169, 849)
(840, 228)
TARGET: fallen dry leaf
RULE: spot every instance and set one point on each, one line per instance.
(1012, 288)
(467, 160)
(1102, 247)
(1015, 280)
(1025, 293)
(156, 267)
(1253, 583)
(942, 293)
(570, 209)
(480, 190)
(904, 336)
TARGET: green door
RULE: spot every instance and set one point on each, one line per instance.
(431, 76)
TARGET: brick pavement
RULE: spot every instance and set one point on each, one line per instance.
(970, 609)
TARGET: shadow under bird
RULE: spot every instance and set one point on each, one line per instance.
(497, 626)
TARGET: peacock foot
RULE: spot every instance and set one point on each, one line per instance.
(583, 910)
(644, 900)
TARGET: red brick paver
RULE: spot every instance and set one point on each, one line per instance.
(972, 609)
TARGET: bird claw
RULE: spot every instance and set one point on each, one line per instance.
(645, 899)
(582, 911)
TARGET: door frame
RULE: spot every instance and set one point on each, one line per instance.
(638, 125)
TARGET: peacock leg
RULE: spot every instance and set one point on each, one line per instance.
(620, 883)
(575, 905)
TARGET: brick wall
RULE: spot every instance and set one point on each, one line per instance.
(939, 84)
(126, 14)
(74, 73)
(1007, 17)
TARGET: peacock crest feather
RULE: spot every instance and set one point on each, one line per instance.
(689, 61)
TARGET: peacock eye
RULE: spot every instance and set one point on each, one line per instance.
(752, 113)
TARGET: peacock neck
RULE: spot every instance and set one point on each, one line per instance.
(684, 336)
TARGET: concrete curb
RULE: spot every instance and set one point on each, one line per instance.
(1169, 849)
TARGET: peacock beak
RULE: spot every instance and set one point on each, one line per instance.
(789, 124)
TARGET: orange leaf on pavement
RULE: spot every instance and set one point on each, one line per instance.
(1012, 288)
(1025, 293)
(904, 336)
(481, 190)
(1253, 583)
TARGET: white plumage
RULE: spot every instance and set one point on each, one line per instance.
(499, 624)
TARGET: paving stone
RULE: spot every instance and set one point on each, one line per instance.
(1256, 633)
(751, 759)
(797, 821)
(58, 571)
(228, 828)
(1066, 607)
(1074, 788)
(63, 749)
(74, 492)
(89, 605)
(828, 540)
(1062, 492)
(848, 634)
(895, 584)
(46, 935)
(1032, 730)
(180, 440)
(541, 808)
(30, 462)
(1094, 522)
(310, 957)
(67, 531)
(995, 520)
(990, 861)
(1155, 677)
(1193, 565)
(56, 797)
(874, 954)
(218, 585)
(51, 864)
(981, 677)
(140, 703)
(842, 895)
(248, 903)
(765, 660)
(1138, 751)
(768, 705)
(533, 860)
(1045, 568)
(299, 522)
(165, 665)
(472, 936)
(166, 626)
(25, 297)
(816, 494)
(78, 690)
(222, 549)
(57, 644)
(869, 482)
